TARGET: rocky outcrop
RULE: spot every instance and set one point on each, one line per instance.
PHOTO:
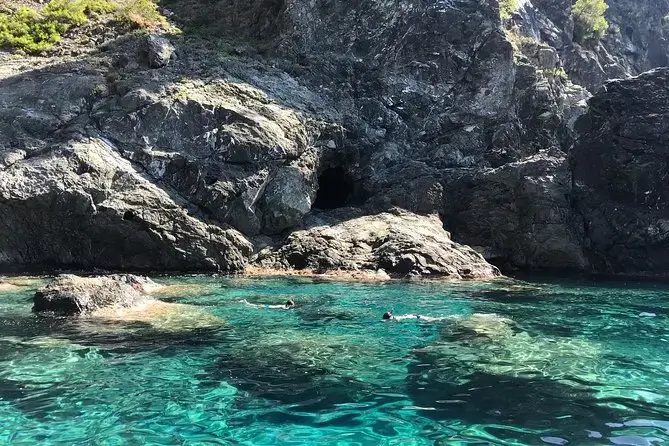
(83, 205)
(519, 214)
(70, 294)
(637, 39)
(400, 243)
(620, 168)
(175, 153)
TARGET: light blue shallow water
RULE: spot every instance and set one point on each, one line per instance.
(517, 363)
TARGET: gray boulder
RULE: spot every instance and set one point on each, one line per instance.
(401, 243)
(88, 207)
(71, 295)
(288, 196)
(159, 51)
(518, 214)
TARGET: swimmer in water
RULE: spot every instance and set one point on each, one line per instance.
(389, 317)
(287, 306)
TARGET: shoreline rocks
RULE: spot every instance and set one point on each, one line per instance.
(400, 244)
(160, 154)
(72, 295)
(619, 167)
(119, 298)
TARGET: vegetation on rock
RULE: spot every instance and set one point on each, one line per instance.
(507, 8)
(589, 21)
(32, 30)
(141, 14)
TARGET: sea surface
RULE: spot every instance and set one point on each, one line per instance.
(509, 363)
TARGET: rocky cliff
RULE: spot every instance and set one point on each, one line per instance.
(205, 150)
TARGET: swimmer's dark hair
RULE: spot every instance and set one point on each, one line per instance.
(290, 302)
(387, 315)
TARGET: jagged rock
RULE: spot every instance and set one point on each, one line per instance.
(288, 196)
(636, 40)
(88, 207)
(70, 295)
(105, 163)
(620, 167)
(159, 51)
(222, 146)
(519, 214)
(401, 243)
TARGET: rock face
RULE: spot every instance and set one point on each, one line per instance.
(400, 243)
(88, 207)
(69, 295)
(129, 158)
(636, 41)
(620, 167)
(530, 225)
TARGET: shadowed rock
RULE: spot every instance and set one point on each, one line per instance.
(620, 167)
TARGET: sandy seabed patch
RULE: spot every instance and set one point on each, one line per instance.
(162, 315)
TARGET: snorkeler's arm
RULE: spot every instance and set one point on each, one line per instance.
(435, 319)
(405, 316)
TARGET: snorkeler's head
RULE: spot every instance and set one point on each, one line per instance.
(387, 315)
(290, 303)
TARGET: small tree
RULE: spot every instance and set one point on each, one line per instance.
(589, 21)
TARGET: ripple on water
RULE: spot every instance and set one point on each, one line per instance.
(555, 363)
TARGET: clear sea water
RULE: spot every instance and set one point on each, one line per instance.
(576, 363)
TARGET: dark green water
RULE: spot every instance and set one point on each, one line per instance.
(548, 364)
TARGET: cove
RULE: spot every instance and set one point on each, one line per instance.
(512, 363)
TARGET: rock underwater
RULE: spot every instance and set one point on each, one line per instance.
(70, 295)
(118, 298)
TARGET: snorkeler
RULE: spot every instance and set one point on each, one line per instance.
(388, 316)
(287, 306)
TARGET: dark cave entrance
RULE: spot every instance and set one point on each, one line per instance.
(335, 188)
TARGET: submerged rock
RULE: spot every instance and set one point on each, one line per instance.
(69, 294)
(109, 303)
(400, 243)
(494, 345)
(8, 287)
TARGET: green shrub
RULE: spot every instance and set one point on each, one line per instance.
(553, 72)
(589, 21)
(141, 14)
(507, 8)
(31, 31)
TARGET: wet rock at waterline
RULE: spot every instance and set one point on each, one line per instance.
(69, 294)
(400, 243)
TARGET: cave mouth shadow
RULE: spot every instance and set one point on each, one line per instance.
(335, 189)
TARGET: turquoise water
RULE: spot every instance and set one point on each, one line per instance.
(514, 363)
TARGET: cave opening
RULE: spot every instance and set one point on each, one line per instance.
(335, 189)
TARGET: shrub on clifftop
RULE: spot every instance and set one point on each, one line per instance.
(34, 31)
(589, 21)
